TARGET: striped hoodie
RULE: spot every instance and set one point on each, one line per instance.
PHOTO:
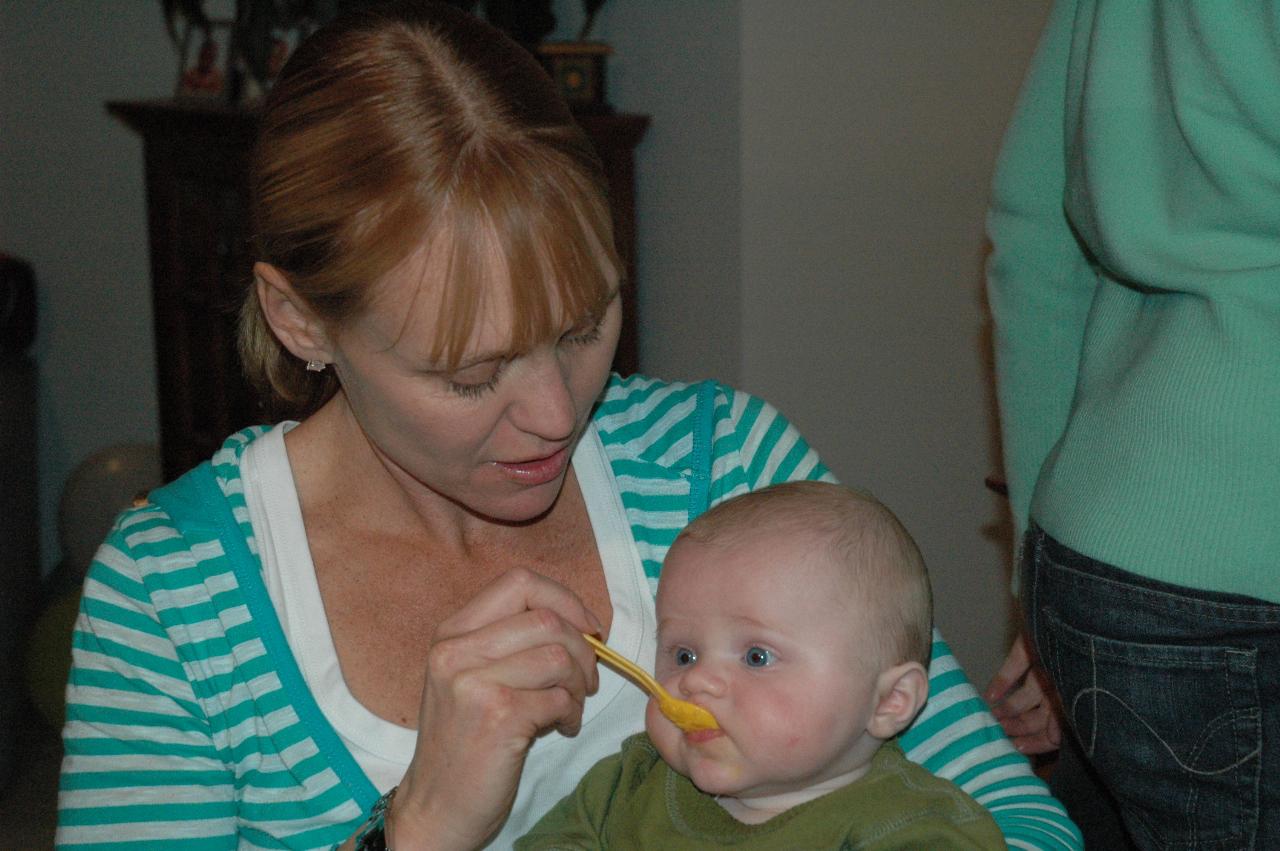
(189, 725)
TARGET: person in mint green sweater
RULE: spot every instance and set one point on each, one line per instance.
(800, 616)
(1134, 284)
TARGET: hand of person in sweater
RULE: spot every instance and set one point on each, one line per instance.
(1023, 701)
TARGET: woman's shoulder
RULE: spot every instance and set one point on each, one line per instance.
(636, 397)
(226, 460)
(655, 419)
(652, 420)
(636, 404)
(184, 499)
(170, 530)
(667, 425)
(150, 564)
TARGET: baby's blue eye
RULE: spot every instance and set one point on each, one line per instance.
(685, 656)
(758, 657)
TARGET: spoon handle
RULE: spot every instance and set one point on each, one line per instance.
(685, 715)
(611, 656)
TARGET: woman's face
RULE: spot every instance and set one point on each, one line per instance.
(495, 435)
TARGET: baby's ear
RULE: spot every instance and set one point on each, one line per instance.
(901, 692)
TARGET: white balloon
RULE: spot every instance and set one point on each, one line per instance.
(98, 489)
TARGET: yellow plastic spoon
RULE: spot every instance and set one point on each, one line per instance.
(685, 715)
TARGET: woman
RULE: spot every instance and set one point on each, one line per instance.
(385, 594)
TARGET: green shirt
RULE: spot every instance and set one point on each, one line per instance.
(1135, 288)
(635, 800)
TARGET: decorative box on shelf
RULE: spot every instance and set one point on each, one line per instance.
(578, 69)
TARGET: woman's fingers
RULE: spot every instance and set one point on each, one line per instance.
(1011, 673)
(529, 649)
(523, 632)
(1022, 699)
(1035, 732)
(499, 685)
(508, 666)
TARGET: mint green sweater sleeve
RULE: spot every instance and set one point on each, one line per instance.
(1134, 286)
(1039, 283)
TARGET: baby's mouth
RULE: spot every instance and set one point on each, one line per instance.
(698, 737)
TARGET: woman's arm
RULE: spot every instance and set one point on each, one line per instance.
(1039, 281)
(140, 767)
(1039, 288)
(956, 738)
(179, 734)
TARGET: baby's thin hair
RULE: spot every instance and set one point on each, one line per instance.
(860, 533)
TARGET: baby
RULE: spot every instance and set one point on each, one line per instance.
(800, 616)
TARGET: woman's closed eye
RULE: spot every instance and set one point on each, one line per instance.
(476, 380)
(583, 334)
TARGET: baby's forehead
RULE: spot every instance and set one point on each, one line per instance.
(755, 562)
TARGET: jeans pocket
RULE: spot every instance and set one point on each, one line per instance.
(1176, 729)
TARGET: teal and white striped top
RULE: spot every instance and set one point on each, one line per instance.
(190, 726)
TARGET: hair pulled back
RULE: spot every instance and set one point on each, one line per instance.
(412, 124)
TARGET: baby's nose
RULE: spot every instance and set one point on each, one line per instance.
(702, 678)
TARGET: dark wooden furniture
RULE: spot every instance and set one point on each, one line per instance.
(196, 157)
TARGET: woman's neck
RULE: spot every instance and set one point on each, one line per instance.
(344, 478)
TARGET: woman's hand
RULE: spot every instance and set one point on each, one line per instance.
(1020, 696)
(508, 666)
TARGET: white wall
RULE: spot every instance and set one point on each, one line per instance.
(819, 242)
(678, 62)
(810, 227)
(869, 131)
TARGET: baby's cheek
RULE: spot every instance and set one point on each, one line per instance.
(666, 738)
(652, 717)
(781, 724)
(657, 726)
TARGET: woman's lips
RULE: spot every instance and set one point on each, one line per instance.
(537, 471)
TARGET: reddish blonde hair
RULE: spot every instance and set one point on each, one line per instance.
(415, 124)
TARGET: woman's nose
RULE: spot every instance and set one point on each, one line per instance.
(545, 406)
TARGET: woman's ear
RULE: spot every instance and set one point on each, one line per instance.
(291, 320)
(902, 691)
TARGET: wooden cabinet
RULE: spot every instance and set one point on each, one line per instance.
(196, 158)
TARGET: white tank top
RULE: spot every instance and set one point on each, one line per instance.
(382, 748)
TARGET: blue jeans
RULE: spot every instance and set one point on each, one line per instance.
(1172, 693)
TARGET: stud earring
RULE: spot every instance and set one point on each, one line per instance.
(316, 366)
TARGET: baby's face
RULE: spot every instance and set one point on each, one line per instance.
(767, 637)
